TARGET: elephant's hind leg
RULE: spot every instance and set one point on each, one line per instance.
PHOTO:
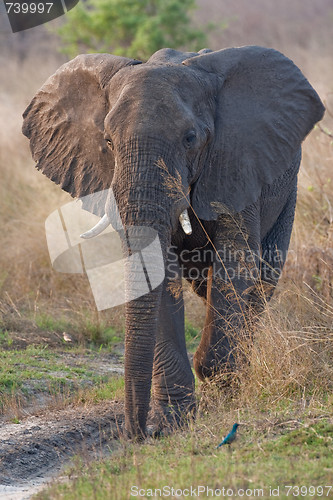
(231, 278)
(274, 253)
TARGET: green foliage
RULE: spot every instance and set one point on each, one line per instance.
(101, 334)
(192, 336)
(5, 339)
(131, 28)
(47, 322)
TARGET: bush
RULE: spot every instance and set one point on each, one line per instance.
(131, 28)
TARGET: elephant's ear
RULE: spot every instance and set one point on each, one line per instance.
(265, 108)
(65, 124)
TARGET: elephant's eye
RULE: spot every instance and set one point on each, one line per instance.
(190, 139)
(109, 143)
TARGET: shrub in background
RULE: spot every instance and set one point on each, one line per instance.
(131, 28)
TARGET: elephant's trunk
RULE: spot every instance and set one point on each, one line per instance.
(145, 211)
(143, 270)
(141, 331)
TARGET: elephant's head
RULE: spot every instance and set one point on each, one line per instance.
(207, 129)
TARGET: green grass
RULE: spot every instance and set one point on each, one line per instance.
(49, 323)
(5, 339)
(91, 330)
(37, 371)
(192, 336)
(112, 389)
(264, 457)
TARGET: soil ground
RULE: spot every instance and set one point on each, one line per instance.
(34, 451)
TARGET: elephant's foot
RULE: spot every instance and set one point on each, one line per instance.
(165, 418)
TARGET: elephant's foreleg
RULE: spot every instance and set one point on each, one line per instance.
(173, 381)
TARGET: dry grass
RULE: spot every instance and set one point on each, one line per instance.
(28, 285)
(26, 197)
(289, 356)
(298, 28)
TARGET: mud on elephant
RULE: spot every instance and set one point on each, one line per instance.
(227, 127)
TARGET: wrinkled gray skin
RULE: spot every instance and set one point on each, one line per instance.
(228, 126)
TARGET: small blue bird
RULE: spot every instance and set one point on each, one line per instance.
(230, 437)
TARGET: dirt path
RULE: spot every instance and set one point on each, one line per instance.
(33, 452)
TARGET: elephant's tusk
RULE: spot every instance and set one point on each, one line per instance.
(98, 229)
(185, 222)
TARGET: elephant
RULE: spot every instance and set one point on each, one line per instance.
(225, 129)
